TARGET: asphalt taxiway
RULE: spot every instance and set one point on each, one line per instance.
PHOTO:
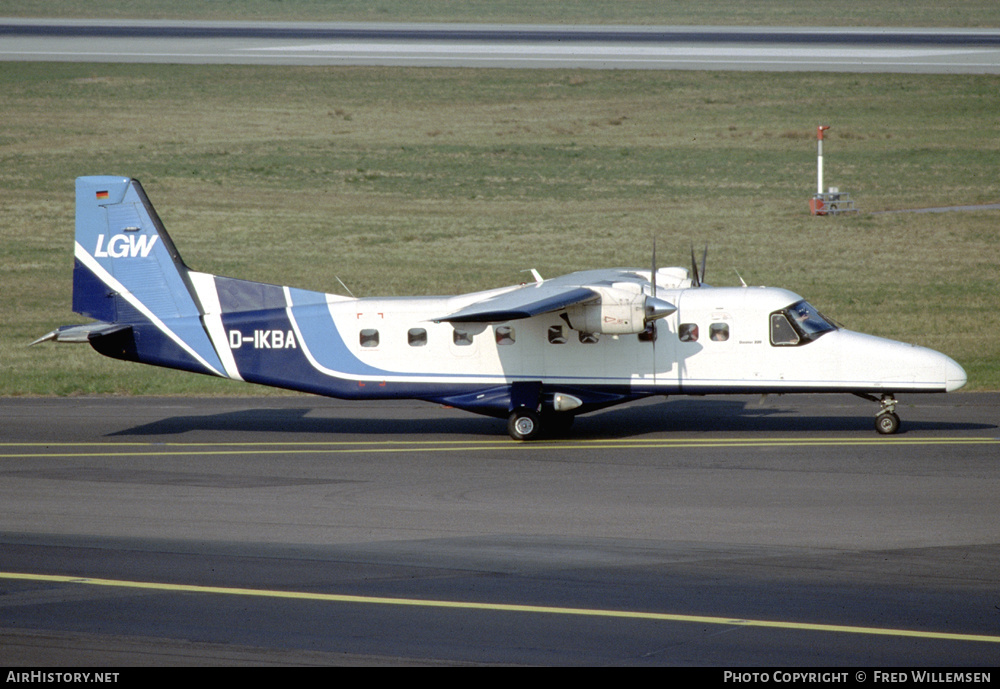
(687, 531)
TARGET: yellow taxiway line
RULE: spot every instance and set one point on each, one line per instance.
(500, 607)
(116, 449)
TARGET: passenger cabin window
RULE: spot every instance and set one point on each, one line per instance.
(369, 337)
(505, 335)
(462, 338)
(556, 335)
(687, 332)
(416, 337)
(799, 324)
(718, 332)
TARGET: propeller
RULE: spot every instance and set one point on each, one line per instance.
(655, 307)
(652, 273)
(652, 284)
(698, 276)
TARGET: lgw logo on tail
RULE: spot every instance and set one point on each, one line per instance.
(125, 246)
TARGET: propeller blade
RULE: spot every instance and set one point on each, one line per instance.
(698, 275)
(652, 273)
(652, 280)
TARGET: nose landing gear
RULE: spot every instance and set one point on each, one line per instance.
(887, 423)
(886, 420)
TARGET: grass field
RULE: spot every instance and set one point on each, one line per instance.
(434, 181)
(912, 13)
(423, 181)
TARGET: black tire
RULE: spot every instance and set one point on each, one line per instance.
(887, 423)
(524, 424)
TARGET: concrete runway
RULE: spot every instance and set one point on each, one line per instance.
(301, 530)
(947, 51)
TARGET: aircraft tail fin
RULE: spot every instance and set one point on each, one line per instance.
(128, 273)
(121, 243)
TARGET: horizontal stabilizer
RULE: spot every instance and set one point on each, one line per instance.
(82, 333)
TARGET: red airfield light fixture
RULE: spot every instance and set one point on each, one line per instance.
(819, 157)
(832, 201)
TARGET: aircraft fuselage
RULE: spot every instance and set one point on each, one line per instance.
(548, 349)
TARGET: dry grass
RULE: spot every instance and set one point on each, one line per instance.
(914, 13)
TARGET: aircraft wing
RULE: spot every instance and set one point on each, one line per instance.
(528, 301)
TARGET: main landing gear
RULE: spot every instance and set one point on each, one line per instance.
(531, 416)
(524, 424)
(527, 424)
(886, 421)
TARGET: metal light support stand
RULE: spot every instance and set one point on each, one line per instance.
(833, 201)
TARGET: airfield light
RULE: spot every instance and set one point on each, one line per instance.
(832, 201)
(819, 157)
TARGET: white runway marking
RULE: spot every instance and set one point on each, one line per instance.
(621, 51)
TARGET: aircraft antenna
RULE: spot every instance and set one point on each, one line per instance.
(345, 287)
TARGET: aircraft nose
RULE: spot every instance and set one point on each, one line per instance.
(954, 375)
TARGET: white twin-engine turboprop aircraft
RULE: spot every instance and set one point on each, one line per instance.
(535, 354)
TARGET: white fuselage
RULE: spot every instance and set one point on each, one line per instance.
(399, 337)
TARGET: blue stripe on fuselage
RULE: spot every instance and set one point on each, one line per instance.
(267, 350)
(324, 342)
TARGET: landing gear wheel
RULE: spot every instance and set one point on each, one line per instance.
(887, 423)
(524, 424)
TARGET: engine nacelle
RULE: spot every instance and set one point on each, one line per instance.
(602, 317)
(621, 310)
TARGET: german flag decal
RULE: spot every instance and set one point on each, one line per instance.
(102, 195)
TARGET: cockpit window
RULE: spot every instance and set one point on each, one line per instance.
(782, 332)
(799, 324)
(810, 320)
